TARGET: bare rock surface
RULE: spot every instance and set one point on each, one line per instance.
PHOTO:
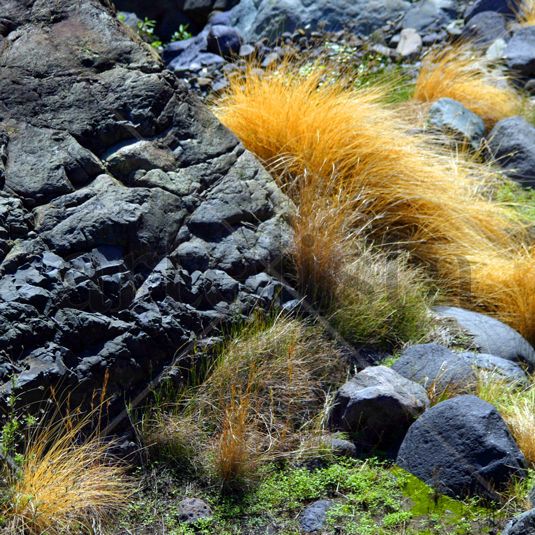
(131, 221)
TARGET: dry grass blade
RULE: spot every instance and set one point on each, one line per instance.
(65, 485)
(460, 73)
(517, 407)
(408, 191)
(260, 400)
(525, 12)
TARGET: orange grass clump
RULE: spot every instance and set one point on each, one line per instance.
(458, 72)
(525, 12)
(312, 133)
(64, 484)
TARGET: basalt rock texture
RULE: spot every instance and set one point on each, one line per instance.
(131, 221)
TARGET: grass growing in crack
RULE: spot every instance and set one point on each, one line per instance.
(260, 400)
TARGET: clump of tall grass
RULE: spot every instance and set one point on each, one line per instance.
(63, 483)
(461, 73)
(517, 407)
(258, 401)
(525, 12)
(344, 145)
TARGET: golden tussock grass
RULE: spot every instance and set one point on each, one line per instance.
(460, 73)
(517, 407)
(259, 401)
(345, 146)
(525, 12)
(65, 484)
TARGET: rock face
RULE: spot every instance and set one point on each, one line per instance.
(436, 368)
(490, 335)
(461, 447)
(131, 221)
(265, 18)
(376, 407)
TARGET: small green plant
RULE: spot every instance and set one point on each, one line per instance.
(182, 33)
(146, 29)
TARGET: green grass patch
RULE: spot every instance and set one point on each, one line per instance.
(370, 497)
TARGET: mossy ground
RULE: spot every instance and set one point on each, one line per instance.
(370, 497)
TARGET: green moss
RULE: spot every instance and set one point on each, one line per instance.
(519, 198)
(370, 497)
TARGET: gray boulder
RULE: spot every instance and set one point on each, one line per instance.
(430, 15)
(436, 368)
(512, 145)
(462, 447)
(312, 520)
(523, 524)
(501, 368)
(484, 28)
(191, 510)
(224, 40)
(131, 221)
(264, 18)
(520, 52)
(376, 407)
(499, 6)
(451, 117)
(490, 335)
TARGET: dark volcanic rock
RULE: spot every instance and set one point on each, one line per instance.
(436, 368)
(523, 524)
(485, 27)
(520, 52)
(490, 335)
(462, 447)
(499, 6)
(512, 145)
(265, 18)
(376, 407)
(131, 221)
(430, 15)
(451, 117)
(313, 517)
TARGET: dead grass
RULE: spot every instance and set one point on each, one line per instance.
(525, 12)
(461, 73)
(260, 399)
(65, 484)
(331, 142)
(517, 407)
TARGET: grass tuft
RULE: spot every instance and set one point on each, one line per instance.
(386, 183)
(461, 73)
(517, 407)
(259, 401)
(64, 483)
(525, 12)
